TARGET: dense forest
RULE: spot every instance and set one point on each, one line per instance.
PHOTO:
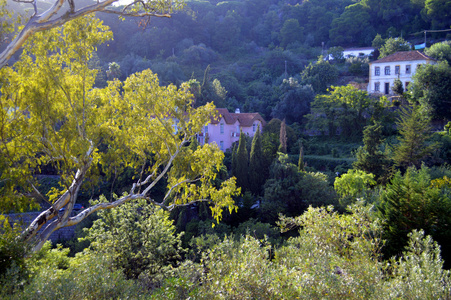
(342, 194)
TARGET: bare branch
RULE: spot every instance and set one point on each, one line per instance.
(43, 22)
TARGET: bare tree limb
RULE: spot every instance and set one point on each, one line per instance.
(44, 21)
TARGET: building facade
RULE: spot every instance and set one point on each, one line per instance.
(225, 129)
(400, 65)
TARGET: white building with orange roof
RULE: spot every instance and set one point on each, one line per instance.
(400, 65)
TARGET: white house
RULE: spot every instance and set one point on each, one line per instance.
(354, 52)
(402, 65)
(358, 52)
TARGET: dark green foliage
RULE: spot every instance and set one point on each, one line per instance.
(242, 164)
(290, 192)
(370, 158)
(259, 230)
(393, 45)
(283, 137)
(140, 239)
(257, 168)
(320, 75)
(295, 101)
(414, 129)
(301, 164)
(337, 53)
(412, 202)
(13, 269)
(440, 51)
(432, 89)
(347, 29)
(291, 32)
(397, 87)
(343, 110)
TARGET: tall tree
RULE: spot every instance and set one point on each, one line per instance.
(283, 137)
(412, 201)
(345, 107)
(257, 172)
(432, 89)
(414, 128)
(369, 157)
(393, 45)
(301, 164)
(51, 114)
(242, 163)
(320, 75)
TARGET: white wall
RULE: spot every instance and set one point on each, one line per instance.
(383, 79)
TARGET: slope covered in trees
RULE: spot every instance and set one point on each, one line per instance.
(103, 121)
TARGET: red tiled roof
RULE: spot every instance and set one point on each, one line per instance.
(404, 56)
(245, 119)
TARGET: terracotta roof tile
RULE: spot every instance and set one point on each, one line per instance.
(245, 119)
(403, 56)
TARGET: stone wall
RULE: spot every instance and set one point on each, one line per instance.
(25, 219)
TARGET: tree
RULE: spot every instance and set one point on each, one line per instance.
(352, 27)
(397, 87)
(414, 129)
(242, 163)
(432, 89)
(257, 170)
(52, 115)
(291, 32)
(301, 164)
(295, 101)
(370, 158)
(352, 185)
(283, 137)
(344, 107)
(139, 237)
(320, 75)
(440, 51)
(378, 41)
(393, 45)
(411, 201)
(58, 14)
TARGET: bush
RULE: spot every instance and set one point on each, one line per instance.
(140, 238)
(13, 269)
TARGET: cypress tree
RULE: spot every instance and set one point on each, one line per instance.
(256, 165)
(234, 163)
(242, 163)
(369, 157)
(301, 165)
(283, 137)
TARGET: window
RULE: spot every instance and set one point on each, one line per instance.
(406, 85)
(387, 70)
(254, 127)
(377, 71)
(221, 145)
(206, 129)
(237, 129)
(221, 128)
(387, 88)
(397, 70)
(377, 86)
(407, 69)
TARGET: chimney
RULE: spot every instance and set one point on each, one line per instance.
(237, 111)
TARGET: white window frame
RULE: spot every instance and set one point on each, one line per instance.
(387, 70)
